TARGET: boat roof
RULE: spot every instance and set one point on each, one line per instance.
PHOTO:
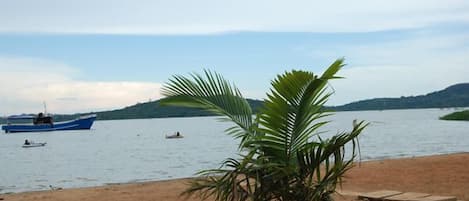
(21, 116)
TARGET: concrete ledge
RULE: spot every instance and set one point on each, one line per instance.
(407, 196)
(436, 198)
(378, 195)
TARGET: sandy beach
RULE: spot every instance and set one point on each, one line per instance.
(438, 175)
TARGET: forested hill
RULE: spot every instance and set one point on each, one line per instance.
(154, 110)
(453, 96)
(150, 109)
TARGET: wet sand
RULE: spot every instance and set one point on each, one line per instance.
(438, 175)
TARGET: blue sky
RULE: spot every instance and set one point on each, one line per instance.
(81, 56)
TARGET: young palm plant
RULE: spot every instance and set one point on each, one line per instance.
(282, 156)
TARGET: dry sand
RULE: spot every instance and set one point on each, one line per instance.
(439, 175)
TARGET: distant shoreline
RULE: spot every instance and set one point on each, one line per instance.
(454, 96)
(66, 117)
(448, 108)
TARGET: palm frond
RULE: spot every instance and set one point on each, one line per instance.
(211, 93)
(324, 163)
(294, 103)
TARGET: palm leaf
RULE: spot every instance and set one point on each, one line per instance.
(214, 94)
(295, 102)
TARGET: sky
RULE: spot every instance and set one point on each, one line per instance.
(84, 56)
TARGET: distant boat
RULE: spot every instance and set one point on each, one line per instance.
(174, 136)
(45, 123)
(34, 144)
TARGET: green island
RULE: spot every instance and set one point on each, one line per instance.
(462, 115)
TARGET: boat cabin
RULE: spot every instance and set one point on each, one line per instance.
(36, 119)
(41, 119)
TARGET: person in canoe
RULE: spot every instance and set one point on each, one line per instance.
(26, 142)
(174, 136)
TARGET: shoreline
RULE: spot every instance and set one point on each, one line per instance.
(357, 162)
(444, 174)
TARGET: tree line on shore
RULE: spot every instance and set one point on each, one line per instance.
(455, 96)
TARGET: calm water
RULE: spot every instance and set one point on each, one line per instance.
(136, 150)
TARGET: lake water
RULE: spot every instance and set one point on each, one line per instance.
(136, 150)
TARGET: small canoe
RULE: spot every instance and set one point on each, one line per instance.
(34, 144)
(174, 136)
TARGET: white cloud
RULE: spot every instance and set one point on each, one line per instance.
(211, 16)
(414, 66)
(27, 82)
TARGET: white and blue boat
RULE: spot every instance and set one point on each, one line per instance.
(45, 123)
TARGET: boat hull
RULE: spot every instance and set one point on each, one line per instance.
(174, 136)
(34, 145)
(81, 123)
